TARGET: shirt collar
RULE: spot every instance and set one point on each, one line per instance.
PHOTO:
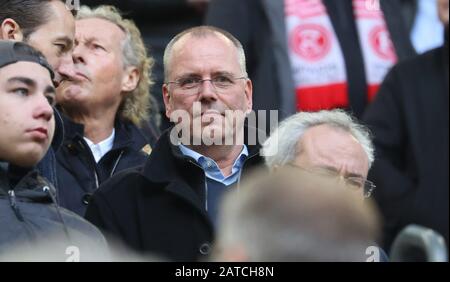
(100, 149)
(212, 170)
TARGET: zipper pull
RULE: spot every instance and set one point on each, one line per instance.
(12, 201)
(12, 198)
(52, 192)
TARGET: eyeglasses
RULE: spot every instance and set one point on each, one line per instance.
(352, 182)
(191, 85)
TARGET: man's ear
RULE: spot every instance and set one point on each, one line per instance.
(10, 30)
(249, 95)
(130, 79)
(166, 99)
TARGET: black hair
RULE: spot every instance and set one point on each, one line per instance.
(29, 14)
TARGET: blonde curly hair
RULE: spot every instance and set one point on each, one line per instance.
(135, 107)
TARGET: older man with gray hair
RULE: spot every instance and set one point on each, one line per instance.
(105, 102)
(330, 143)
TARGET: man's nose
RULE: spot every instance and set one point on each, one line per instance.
(66, 68)
(43, 109)
(207, 90)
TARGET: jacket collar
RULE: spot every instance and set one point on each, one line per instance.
(183, 176)
(127, 134)
(26, 183)
(167, 160)
(184, 179)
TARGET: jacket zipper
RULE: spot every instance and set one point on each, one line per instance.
(15, 208)
(97, 182)
(83, 147)
(96, 179)
(116, 163)
(13, 203)
(48, 190)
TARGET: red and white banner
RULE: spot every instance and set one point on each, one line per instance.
(376, 44)
(317, 60)
(316, 57)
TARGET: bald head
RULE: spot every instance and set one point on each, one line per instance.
(332, 147)
(178, 42)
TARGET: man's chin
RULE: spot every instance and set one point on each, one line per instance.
(29, 158)
(216, 134)
(213, 126)
(70, 93)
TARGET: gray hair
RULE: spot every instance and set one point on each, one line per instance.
(281, 147)
(294, 215)
(135, 107)
(202, 32)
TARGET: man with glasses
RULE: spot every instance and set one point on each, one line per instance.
(170, 206)
(330, 144)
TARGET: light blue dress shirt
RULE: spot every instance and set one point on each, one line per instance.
(212, 170)
(428, 31)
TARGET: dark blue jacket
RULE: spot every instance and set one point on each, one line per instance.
(160, 208)
(77, 172)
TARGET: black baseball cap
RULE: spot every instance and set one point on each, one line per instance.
(12, 52)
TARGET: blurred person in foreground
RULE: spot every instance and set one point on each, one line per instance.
(295, 215)
(329, 143)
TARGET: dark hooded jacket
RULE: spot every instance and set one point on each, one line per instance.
(30, 217)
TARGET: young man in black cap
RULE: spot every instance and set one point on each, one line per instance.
(48, 26)
(29, 211)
